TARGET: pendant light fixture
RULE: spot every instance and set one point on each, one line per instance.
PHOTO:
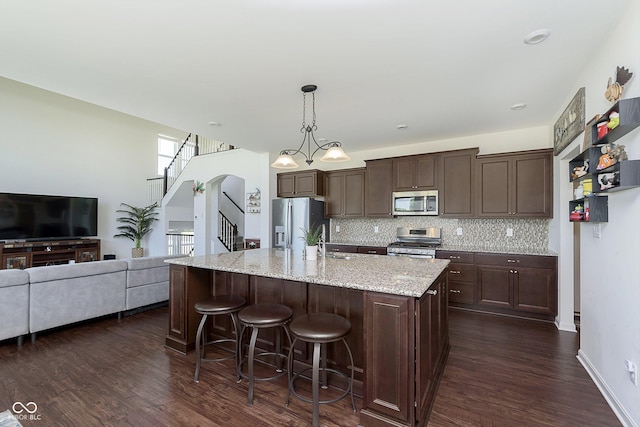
(334, 152)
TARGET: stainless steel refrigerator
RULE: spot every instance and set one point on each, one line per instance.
(290, 216)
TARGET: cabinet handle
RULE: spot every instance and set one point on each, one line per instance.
(454, 291)
(454, 271)
(515, 271)
(510, 271)
(371, 252)
(513, 260)
(432, 292)
(453, 257)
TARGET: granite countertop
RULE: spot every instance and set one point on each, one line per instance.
(378, 273)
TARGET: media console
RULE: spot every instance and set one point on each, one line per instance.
(25, 254)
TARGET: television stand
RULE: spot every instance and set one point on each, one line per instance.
(38, 253)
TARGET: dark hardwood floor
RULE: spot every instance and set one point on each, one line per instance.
(501, 372)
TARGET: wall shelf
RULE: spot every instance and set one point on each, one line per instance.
(622, 175)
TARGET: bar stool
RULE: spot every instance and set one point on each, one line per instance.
(319, 329)
(257, 317)
(215, 306)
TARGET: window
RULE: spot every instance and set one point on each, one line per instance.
(167, 147)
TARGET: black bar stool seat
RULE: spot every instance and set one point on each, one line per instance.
(319, 329)
(257, 317)
(216, 306)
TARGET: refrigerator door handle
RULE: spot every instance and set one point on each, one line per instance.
(287, 226)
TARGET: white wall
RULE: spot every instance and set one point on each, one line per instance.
(610, 265)
(244, 165)
(52, 144)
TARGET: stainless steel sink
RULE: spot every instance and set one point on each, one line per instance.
(337, 256)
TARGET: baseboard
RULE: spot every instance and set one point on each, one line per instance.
(615, 405)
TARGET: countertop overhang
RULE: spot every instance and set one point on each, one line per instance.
(376, 273)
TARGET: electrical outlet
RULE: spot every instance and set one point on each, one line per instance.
(459, 231)
(375, 229)
(509, 232)
(633, 374)
(597, 230)
(337, 228)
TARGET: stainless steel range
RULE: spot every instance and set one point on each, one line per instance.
(416, 242)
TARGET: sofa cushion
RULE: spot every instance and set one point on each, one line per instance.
(149, 262)
(149, 270)
(13, 278)
(70, 271)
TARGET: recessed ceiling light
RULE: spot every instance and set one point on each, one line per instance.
(537, 36)
(215, 124)
(519, 106)
(402, 127)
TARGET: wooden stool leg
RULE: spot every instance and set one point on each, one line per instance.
(315, 383)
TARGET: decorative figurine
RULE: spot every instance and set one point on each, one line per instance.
(614, 90)
(614, 120)
(605, 159)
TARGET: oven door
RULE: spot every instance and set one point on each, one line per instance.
(424, 256)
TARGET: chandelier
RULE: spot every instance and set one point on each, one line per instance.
(334, 152)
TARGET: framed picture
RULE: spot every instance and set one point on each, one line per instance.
(588, 134)
(570, 123)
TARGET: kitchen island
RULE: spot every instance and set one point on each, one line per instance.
(397, 307)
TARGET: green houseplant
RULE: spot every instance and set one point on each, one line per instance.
(311, 238)
(136, 223)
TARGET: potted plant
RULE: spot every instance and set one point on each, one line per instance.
(311, 237)
(137, 223)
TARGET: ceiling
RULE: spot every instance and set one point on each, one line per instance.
(443, 68)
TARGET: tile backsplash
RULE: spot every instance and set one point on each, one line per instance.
(527, 233)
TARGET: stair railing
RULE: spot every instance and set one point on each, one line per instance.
(233, 201)
(180, 244)
(227, 232)
(192, 146)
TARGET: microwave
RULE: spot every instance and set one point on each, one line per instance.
(415, 202)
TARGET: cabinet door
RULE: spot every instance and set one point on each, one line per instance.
(378, 188)
(286, 186)
(334, 194)
(532, 185)
(227, 283)
(493, 187)
(426, 172)
(456, 183)
(535, 290)
(389, 352)
(17, 260)
(515, 185)
(353, 194)
(414, 173)
(306, 184)
(494, 286)
(403, 174)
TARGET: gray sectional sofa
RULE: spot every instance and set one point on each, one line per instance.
(42, 298)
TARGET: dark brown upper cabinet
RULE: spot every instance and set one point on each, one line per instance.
(378, 185)
(415, 173)
(344, 193)
(308, 183)
(456, 189)
(515, 185)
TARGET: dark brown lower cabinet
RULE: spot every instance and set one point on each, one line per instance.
(518, 284)
(399, 343)
(406, 344)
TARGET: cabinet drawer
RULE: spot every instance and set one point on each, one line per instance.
(351, 249)
(461, 272)
(535, 261)
(461, 292)
(457, 257)
(375, 250)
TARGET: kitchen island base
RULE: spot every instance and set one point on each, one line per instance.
(399, 343)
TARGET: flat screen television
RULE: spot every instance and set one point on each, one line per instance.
(40, 217)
